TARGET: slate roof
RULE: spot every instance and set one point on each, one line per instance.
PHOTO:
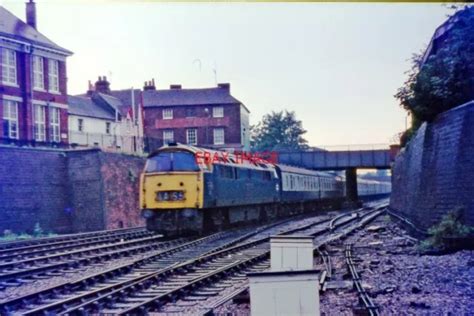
(119, 99)
(13, 27)
(85, 106)
(125, 96)
(176, 97)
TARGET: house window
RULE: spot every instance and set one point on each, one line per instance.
(10, 119)
(53, 75)
(54, 124)
(8, 66)
(168, 137)
(107, 127)
(167, 114)
(191, 136)
(38, 73)
(40, 126)
(218, 136)
(190, 112)
(218, 111)
(80, 125)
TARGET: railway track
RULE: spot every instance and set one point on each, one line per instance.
(68, 237)
(187, 273)
(18, 271)
(364, 297)
(189, 283)
(32, 250)
(320, 241)
(57, 298)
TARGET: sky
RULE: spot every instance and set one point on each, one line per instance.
(337, 66)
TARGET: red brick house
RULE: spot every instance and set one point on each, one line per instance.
(33, 87)
(209, 117)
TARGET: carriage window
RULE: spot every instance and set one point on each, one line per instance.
(172, 161)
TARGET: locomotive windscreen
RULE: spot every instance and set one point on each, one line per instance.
(172, 161)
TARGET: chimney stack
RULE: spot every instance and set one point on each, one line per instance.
(225, 86)
(102, 85)
(149, 85)
(175, 86)
(31, 13)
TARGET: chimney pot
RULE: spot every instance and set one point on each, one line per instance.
(102, 85)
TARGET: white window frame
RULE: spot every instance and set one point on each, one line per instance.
(53, 75)
(219, 139)
(55, 124)
(40, 122)
(168, 136)
(191, 136)
(167, 114)
(38, 73)
(10, 117)
(9, 69)
(80, 125)
(218, 111)
(108, 128)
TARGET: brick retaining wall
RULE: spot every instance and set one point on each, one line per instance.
(434, 173)
(67, 191)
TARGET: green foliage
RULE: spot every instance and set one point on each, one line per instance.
(278, 131)
(37, 231)
(446, 79)
(451, 226)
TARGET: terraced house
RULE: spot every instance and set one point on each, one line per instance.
(33, 89)
(206, 117)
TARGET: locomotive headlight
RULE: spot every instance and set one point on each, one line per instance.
(148, 214)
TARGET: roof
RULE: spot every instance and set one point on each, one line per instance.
(125, 96)
(14, 28)
(85, 106)
(121, 100)
(177, 97)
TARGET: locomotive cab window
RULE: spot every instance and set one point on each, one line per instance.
(172, 161)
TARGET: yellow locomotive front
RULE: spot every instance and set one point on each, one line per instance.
(171, 193)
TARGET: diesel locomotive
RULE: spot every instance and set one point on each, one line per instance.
(182, 192)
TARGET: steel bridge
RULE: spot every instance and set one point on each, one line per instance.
(348, 158)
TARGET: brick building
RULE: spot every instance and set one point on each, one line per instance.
(209, 117)
(33, 89)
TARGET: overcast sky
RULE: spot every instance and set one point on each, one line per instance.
(336, 65)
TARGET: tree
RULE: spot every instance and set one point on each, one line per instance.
(446, 79)
(278, 131)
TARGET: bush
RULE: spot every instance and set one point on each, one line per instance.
(450, 227)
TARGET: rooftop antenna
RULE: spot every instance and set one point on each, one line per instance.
(215, 72)
(197, 60)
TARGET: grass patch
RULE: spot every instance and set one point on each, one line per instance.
(38, 232)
